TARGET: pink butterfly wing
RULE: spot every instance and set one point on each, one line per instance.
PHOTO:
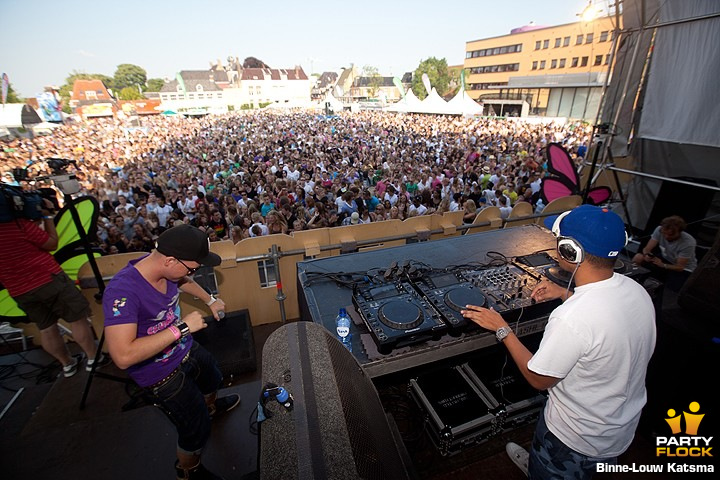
(553, 188)
(560, 164)
(599, 195)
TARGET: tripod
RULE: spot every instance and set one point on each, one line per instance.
(68, 185)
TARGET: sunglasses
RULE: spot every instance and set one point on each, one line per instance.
(190, 270)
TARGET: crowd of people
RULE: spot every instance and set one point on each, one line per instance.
(241, 175)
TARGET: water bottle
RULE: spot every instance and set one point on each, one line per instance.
(342, 325)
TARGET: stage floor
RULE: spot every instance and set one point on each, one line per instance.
(44, 435)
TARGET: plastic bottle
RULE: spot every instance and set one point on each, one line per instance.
(342, 325)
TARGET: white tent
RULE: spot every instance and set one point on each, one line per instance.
(16, 115)
(434, 103)
(408, 104)
(464, 105)
(335, 104)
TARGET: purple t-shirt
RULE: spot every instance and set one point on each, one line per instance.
(129, 298)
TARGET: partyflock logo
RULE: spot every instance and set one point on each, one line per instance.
(688, 445)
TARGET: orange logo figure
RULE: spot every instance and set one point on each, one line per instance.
(692, 420)
(673, 421)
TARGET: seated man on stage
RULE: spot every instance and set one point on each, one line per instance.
(593, 355)
(670, 253)
(147, 335)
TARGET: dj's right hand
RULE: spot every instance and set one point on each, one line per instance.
(195, 321)
(547, 290)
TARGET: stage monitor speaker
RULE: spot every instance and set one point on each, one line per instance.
(690, 202)
(337, 427)
(231, 342)
(700, 292)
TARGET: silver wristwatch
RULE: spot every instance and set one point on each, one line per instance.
(501, 333)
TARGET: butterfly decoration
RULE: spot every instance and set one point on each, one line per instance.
(70, 253)
(565, 180)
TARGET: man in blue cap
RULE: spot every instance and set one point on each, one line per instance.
(593, 356)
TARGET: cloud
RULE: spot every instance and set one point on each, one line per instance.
(85, 53)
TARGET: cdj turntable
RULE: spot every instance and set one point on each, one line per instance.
(397, 316)
(449, 293)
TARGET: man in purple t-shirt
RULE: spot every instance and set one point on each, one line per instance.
(147, 335)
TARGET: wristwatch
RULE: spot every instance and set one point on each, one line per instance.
(211, 301)
(501, 333)
(184, 329)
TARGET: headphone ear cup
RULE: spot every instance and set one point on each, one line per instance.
(577, 252)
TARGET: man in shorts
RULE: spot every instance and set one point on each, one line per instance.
(42, 290)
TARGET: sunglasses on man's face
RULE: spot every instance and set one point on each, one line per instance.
(190, 270)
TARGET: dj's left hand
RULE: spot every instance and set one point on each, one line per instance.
(486, 318)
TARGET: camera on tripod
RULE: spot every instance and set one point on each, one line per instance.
(16, 202)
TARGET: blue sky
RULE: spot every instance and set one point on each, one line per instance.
(42, 42)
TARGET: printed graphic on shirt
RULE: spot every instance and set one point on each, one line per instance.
(118, 303)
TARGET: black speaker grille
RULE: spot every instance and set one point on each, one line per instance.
(374, 451)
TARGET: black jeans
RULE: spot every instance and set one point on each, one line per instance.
(183, 398)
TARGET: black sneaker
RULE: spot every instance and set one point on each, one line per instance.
(224, 405)
(104, 360)
(198, 472)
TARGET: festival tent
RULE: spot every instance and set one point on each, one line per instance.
(434, 104)
(16, 115)
(408, 104)
(334, 104)
(462, 104)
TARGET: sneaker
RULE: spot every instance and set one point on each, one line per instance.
(72, 368)
(224, 405)
(198, 472)
(104, 360)
(518, 455)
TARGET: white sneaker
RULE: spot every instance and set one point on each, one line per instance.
(518, 455)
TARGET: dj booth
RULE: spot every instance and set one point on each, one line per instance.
(405, 301)
(405, 305)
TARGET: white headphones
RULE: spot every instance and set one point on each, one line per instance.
(568, 248)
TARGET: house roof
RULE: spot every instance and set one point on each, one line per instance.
(326, 79)
(296, 73)
(367, 82)
(206, 78)
(82, 86)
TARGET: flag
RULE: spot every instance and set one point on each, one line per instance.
(5, 86)
(399, 86)
(181, 82)
(426, 82)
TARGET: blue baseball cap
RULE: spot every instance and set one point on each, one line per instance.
(600, 231)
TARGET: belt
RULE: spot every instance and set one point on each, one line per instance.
(171, 375)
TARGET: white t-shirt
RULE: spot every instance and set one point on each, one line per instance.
(419, 210)
(163, 213)
(599, 342)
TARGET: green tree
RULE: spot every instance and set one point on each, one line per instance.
(252, 62)
(130, 93)
(12, 96)
(154, 84)
(375, 80)
(456, 81)
(66, 89)
(437, 71)
(128, 75)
